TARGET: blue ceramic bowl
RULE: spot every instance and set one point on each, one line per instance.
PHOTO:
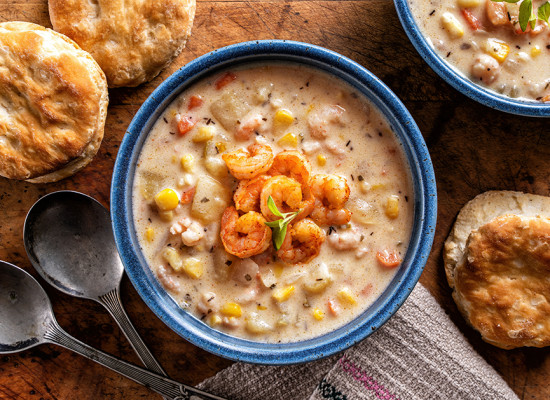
(193, 329)
(457, 79)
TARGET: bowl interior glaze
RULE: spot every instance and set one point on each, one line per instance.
(188, 326)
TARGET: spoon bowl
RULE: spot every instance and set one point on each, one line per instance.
(69, 240)
(25, 310)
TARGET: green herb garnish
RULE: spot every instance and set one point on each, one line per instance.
(544, 12)
(279, 226)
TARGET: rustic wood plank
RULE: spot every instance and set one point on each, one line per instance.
(473, 149)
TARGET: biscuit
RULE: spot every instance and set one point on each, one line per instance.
(53, 104)
(497, 261)
(131, 40)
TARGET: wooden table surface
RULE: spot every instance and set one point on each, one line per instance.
(473, 149)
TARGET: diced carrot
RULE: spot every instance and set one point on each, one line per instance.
(333, 307)
(185, 124)
(388, 259)
(194, 102)
(225, 80)
(470, 18)
(187, 196)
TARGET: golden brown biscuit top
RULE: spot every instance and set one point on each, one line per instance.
(504, 285)
(50, 100)
(132, 40)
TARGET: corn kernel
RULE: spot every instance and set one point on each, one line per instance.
(173, 258)
(497, 49)
(283, 117)
(166, 216)
(290, 139)
(221, 146)
(192, 267)
(261, 308)
(452, 25)
(204, 134)
(321, 160)
(392, 206)
(167, 199)
(283, 294)
(215, 320)
(377, 186)
(535, 51)
(149, 234)
(468, 3)
(187, 162)
(345, 295)
(310, 108)
(318, 314)
(231, 310)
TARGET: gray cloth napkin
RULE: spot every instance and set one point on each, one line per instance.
(418, 354)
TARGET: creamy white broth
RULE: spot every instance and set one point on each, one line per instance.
(520, 66)
(334, 287)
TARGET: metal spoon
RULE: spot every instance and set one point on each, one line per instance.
(28, 320)
(69, 241)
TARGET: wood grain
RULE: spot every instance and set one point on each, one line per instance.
(473, 149)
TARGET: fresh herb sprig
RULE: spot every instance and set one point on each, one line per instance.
(526, 13)
(279, 226)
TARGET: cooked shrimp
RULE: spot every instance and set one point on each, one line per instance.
(302, 242)
(248, 125)
(331, 194)
(249, 164)
(293, 164)
(497, 13)
(246, 235)
(289, 196)
(319, 120)
(485, 68)
(247, 195)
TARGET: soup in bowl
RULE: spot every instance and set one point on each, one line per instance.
(273, 208)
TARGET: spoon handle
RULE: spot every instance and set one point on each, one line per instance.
(160, 384)
(111, 301)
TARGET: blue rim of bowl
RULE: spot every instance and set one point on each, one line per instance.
(459, 81)
(189, 327)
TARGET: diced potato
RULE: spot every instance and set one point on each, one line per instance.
(221, 146)
(204, 133)
(188, 162)
(468, 3)
(497, 49)
(319, 280)
(229, 109)
(231, 310)
(318, 314)
(166, 216)
(255, 324)
(345, 295)
(364, 186)
(149, 184)
(167, 199)
(363, 212)
(210, 200)
(149, 234)
(193, 268)
(173, 258)
(392, 207)
(452, 25)
(290, 139)
(321, 160)
(283, 117)
(216, 167)
(283, 294)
